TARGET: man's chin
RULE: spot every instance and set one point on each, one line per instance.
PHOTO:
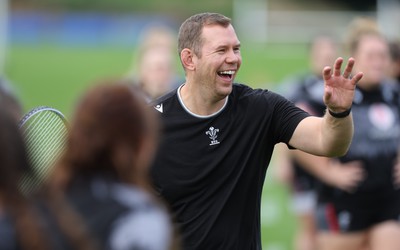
(225, 91)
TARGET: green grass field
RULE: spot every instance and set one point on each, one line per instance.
(57, 76)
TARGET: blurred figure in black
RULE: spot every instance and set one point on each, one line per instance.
(359, 196)
(303, 89)
(20, 225)
(102, 179)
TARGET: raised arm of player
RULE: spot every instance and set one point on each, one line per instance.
(330, 136)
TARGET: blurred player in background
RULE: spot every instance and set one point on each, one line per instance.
(359, 200)
(302, 90)
(154, 68)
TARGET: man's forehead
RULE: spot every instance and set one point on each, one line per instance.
(219, 35)
(217, 27)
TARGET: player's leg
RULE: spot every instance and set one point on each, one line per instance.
(385, 235)
(339, 241)
(306, 233)
(304, 208)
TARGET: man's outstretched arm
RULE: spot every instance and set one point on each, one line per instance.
(330, 135)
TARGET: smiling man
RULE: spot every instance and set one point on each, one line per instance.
(218, 137)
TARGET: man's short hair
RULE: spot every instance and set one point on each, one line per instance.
(190, 31)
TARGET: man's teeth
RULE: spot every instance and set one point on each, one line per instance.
(227, 72)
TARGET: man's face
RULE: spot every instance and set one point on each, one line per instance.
(220, 60)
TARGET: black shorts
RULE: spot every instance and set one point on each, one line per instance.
(358, 212)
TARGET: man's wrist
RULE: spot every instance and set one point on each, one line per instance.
(340, 114)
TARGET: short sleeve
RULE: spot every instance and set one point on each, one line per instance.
(286, 118)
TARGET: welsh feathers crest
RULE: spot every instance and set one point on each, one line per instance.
(212, 134)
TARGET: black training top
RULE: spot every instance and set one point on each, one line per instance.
(211, 169)
(376, 116)
(377, 135)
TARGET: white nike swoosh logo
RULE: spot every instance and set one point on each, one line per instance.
(159, 108)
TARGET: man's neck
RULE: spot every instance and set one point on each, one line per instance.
(200, 102)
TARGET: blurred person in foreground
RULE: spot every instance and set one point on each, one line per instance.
(20, 226)
(305, 88)
(9, 99)
(102, 179)
(359, 202)
(218, 136)
(154, 69)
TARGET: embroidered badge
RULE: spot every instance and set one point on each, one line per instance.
(212, 134)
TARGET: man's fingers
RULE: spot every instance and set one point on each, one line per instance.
(357, 78)
(349, 68)
(327, 73)
(338, 66)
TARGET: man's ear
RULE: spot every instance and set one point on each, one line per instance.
(188, 59)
